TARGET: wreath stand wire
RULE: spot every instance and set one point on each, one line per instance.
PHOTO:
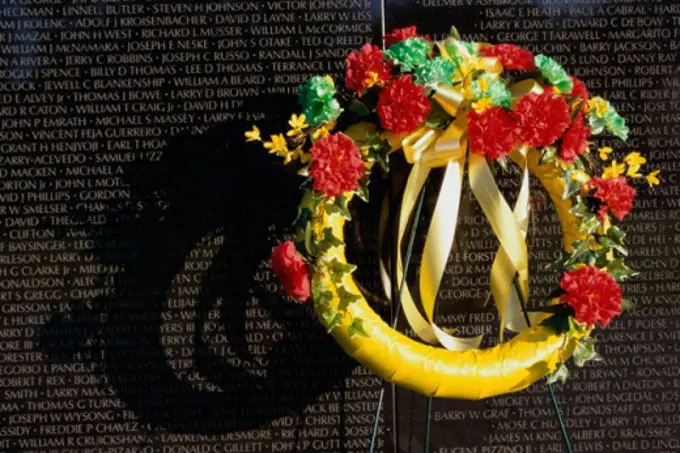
(396, 311)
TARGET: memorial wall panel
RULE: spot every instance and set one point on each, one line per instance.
(138, 312)
(625, 51)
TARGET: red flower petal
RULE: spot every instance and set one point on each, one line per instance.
(593, 294)
(580, 89)
(616, 195)
(336, 165)
(403, 106)
(575, 140)
(511, 56)
(541, 118)
(491, 132)
(291, 270)
(402, 34)
(361, 63)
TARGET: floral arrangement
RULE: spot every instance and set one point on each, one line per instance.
(508, 99)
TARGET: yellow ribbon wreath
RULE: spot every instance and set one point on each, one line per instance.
(457, 369)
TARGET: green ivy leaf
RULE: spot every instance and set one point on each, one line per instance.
(339, 207)
(570, 188)
(585, 352)
(309, 239)
(620, 271)
(346, 298)
(616, 234)
(610, 244)
(303, 217)
(358, 107)
(590, 223)
(356, 329)
(561, 375)
(320, 294)
(581, 248)
(328, 240)
(332, 319)
(362, 192)
(339, 269)
(579, 209)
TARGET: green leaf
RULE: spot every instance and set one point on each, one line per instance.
(309, 239)
(339, 207)
(346, 298)
(576, 328)
(609, 244)
(616, 234)
(548, 154)
(303, 217)
(570, 189)
(590, 223)
(627, 305)
(356, 329)
(362, 192)
(339, 269)
(320, 294)
(358, 107)
(579, 209)
(620, 271)
(561, 375)
(332, 319)
(585, 351)
(328, 240)
(581, 248)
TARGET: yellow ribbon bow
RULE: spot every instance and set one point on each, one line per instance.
(429, 148)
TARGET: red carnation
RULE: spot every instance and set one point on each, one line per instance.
(579, 89)
(291, 270)
(541, 118)
(510, 56)
(616, 195)
(402, 34)
(491, 132)
(402, 106)
(575, 140)
(336, 165)
(366, 65)
(593, 294)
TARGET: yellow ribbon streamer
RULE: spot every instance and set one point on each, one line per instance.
(429, 148)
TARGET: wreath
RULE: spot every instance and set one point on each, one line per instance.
(460, 106)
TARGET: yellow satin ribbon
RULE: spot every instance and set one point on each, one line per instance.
(429, 148)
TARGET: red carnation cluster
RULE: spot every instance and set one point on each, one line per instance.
(511, 56)
(402, 34)
(291, 270)
(575, 140)
(364, 65)
(403, 106)
(541, 118)
(593, 294)
(336, 165)
(491, 132)
(616, 194)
